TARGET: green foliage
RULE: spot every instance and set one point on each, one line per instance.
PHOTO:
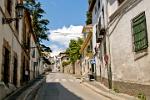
(45, 48)
(73, 50)
(89, 18)
(116, 90)
(38, 23)
(141, 96)
(65, 63)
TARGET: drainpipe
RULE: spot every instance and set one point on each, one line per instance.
(109, 71)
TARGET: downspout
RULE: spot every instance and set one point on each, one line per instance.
(109, 71)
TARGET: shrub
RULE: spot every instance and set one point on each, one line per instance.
(141, 96)
(116, 90)
(65, 63)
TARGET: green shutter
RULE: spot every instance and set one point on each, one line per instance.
(140, 32)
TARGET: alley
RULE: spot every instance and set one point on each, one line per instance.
(60, 86)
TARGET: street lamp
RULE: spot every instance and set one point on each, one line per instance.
(19, 12)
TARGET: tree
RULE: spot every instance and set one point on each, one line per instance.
(45, 48)
(65, 63)
(89, 18)
(73, 51)
(39, 24)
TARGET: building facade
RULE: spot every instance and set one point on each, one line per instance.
(121, 44)
(11, 50)
(86, 51)
(15, 38)
(11, 44)
(129, 44)
(36, 66)
(64, 58)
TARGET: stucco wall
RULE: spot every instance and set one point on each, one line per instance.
(103, 21)
(125, 67)
(78, 67)
(8, 33)
(112, 6)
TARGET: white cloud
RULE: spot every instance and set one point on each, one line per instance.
(56, 49)
(61, 37)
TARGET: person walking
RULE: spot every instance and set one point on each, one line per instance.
(90, 74)
(26, 75)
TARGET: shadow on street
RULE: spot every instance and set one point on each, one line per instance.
(55, 91)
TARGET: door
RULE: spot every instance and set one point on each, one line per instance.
(6, 65)
(15, 71)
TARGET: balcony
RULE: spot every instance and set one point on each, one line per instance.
(100, 33)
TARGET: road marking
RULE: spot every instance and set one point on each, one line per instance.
(56, 80)
(64, 80)
(77, 80)
(71, 80)
(48, 80)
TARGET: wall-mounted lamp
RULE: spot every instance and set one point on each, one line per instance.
(19, 12)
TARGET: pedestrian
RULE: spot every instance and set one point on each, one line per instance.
(26, 75)
(90, 74)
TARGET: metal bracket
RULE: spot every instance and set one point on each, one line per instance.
(8, 20)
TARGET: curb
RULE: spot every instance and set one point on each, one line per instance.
(30, 92)
(18, 93)
(119, 94)
(110, 94)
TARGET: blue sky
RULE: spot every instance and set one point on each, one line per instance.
(65, 16)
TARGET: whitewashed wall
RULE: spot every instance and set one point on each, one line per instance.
(124, 65)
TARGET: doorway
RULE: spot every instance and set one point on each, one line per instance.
(6, 57)
(15, 71)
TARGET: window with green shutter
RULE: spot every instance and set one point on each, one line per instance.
(140, 32)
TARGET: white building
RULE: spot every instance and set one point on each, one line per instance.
(36, 62)
(129, 22)
(99, 38)
(121, 44)
(14, 52)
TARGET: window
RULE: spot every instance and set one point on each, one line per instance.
(17, 24)
(9, 6)
(33, 53)
(95, 10)
(15, 65)
(103, 11)
(139, 28)
(120, 1)
(105, 51)
(98, 4)
(17, 20)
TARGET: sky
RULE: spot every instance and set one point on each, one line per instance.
(67, 18)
